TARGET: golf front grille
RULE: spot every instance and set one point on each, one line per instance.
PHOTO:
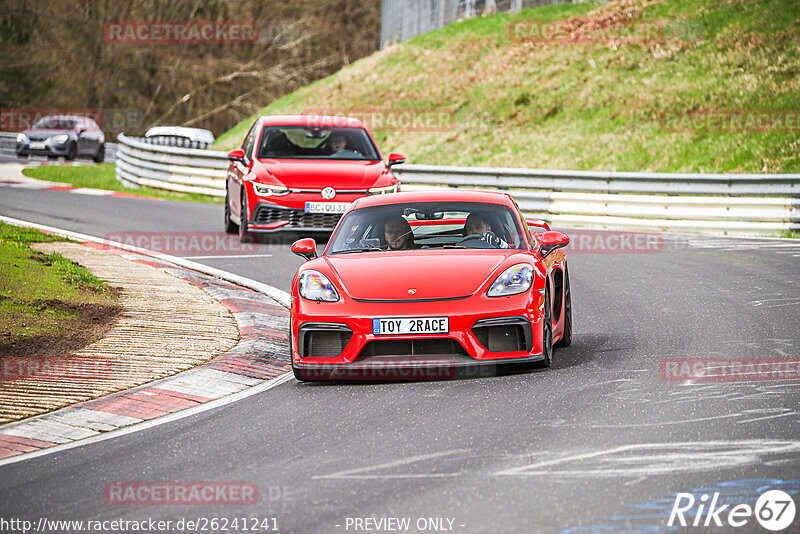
(296, 218)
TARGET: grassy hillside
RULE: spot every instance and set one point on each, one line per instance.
(564, 102)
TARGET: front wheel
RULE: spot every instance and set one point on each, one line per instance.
(244, 235)
(566, 340)
(297, 375)
(547, 332)
(230, 226)
(101, 154)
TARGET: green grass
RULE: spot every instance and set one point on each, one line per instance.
(37, 290)
(103, 176)
(593, 106)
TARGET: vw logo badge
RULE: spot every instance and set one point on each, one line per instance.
(328, 193)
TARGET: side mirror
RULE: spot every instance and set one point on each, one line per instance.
(237, 155)
(81, 132)
(396, 159)
(306, 248)
(538, 223)
(551, 241)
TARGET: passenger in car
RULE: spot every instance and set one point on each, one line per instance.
(279, 145)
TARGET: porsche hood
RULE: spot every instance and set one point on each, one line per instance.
(417, 275)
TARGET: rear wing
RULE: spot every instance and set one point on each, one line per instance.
(533, 224)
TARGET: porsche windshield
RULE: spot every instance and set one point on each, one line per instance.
(304, 142)
(446, 225)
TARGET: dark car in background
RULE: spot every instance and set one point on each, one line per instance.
(63, 136)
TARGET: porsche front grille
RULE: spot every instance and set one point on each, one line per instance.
(412, 347)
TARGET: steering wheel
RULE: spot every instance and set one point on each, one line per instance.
(346, 152)
(488, 239)
(470, 237)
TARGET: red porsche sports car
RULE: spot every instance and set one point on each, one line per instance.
(422, 285)
(301, 173)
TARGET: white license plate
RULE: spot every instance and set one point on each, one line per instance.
(36, 145)
(327, 207)
(410, 325)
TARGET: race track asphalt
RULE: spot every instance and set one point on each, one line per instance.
(598, 442)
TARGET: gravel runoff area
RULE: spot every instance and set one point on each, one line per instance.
(198, 337)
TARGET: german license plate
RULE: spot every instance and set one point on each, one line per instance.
(36, 145)
(327, 207)
(410, 325)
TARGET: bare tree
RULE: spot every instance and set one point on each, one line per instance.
(56, 55)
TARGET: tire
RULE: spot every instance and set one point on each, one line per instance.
(297, 375)
(230, 226)
(72, 152)
(547, 332)
(244, 235)
(101, 154)
(566, 341)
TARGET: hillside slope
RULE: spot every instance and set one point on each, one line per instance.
(654, 85)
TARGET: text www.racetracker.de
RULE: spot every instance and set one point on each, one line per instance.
(198, 524)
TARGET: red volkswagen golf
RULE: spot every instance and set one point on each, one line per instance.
(301, 173)
(426, 285)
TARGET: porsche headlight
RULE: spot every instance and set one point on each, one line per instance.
(266, 190)
(59, 139)
(22, 138)
(515, 279)
(383, 190)
(314, 285)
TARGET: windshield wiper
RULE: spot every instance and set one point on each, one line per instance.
(352, 250)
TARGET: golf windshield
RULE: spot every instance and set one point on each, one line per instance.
(427, 225)
(304, 142)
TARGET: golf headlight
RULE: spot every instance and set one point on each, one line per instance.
(315, 286)
(515, 279)
(267, 190)
(22, 138)
(59, 139)
(383, 190)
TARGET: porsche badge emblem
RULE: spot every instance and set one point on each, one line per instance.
(412, 291)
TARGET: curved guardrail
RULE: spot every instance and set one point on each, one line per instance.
(187, 170)
(752, 204)
(740, 204)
